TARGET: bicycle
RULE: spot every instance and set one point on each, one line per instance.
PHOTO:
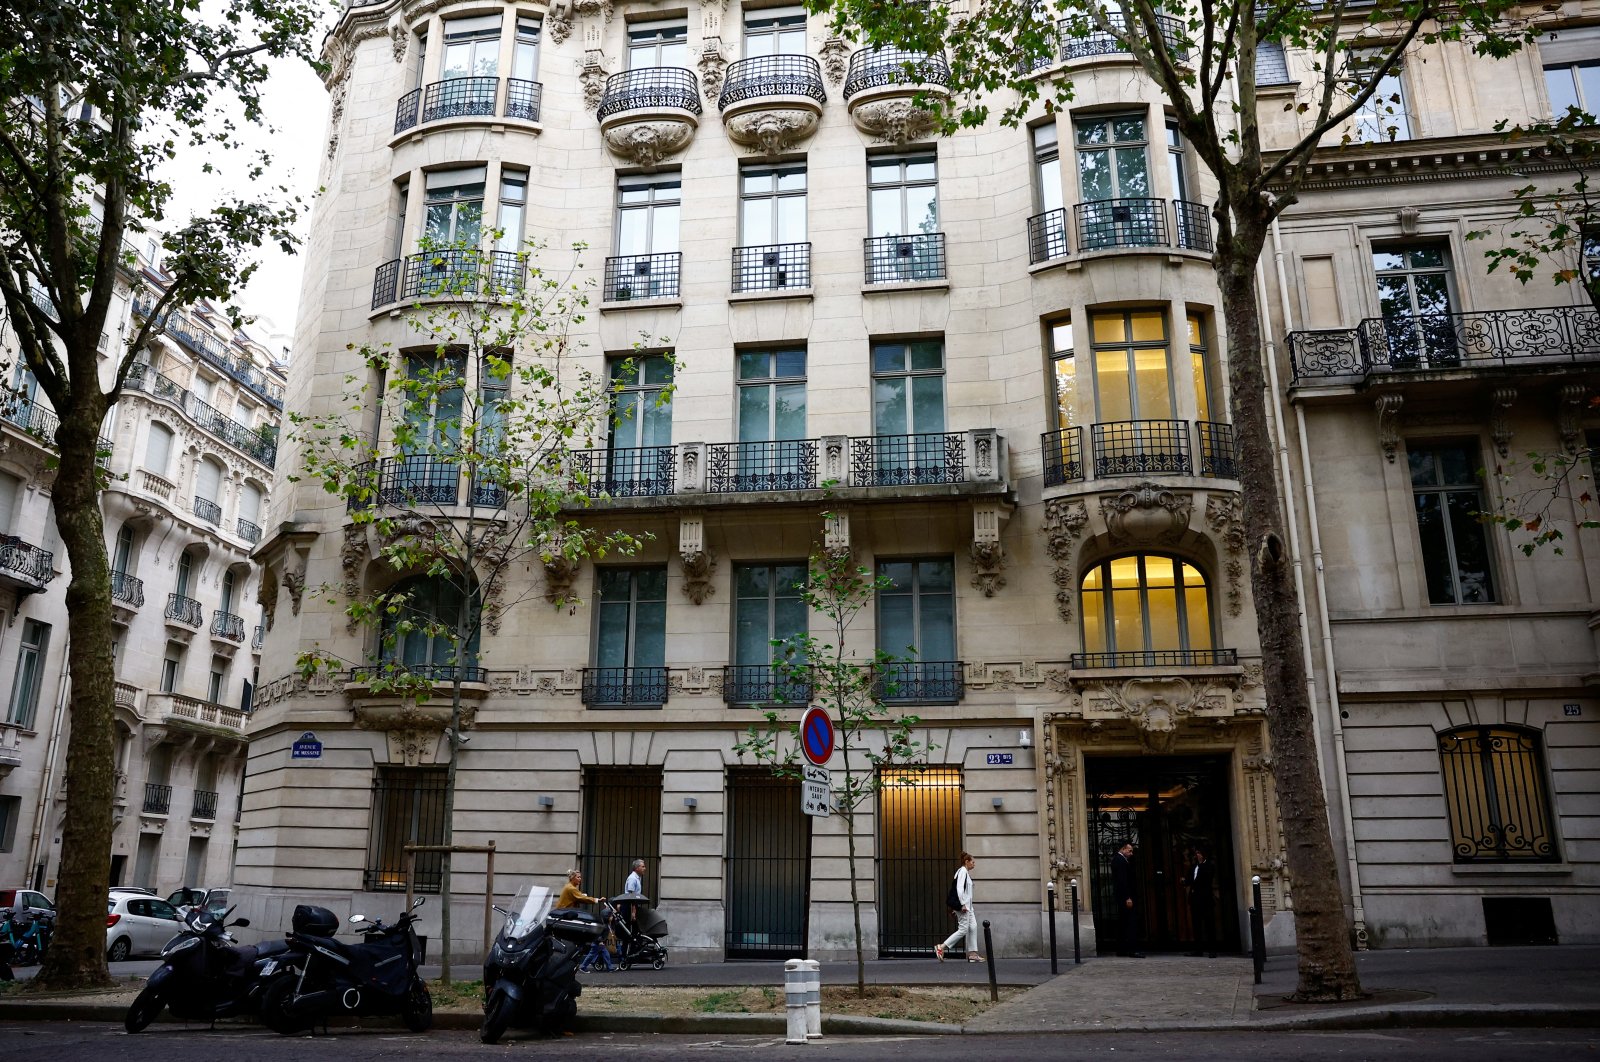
(29, 944)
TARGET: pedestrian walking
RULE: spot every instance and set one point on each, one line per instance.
(634, 886)
(1126, 894)
(1202, 880)
(966, 919)
(572, 893)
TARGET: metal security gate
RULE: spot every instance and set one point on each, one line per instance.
(621, 823)
(407, 808)
(919, 842)
(769, 867)
(1164, 805)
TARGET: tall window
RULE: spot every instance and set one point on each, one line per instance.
(1448, 495)
(219, 668)
(647, 225)
(658, 44)
(1064, 372)
(1047, 232)
(10, 814)
(1131, 378)
(1114, 184)
(122, 556)
(10, 491)
(433, 402)
(631, 636)
(638, 460)
(454, 200)
(207, 486)
(772, 214)
(917, 621)
(1177, 168)
(407, 808)
(171, 668)
(1148, 605)
(903, 201)
(421, 636)
(1494, 786)
(525, 52)
(513, 209)
(186, 574)
(767, 607)
(775, 31)
(230, 589)
(1200, 368)
(1414, 298)
(772, 411)
(471, 47)
(1385, 114)
(250, 505)
(158, 449)
(908, 410)
(29, 674)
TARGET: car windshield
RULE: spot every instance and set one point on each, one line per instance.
(527, 911)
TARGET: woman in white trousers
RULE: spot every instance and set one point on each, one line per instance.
(966, 919)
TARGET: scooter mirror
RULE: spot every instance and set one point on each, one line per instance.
(502, 910)
(357, 918)
(418, 902)
(243, 923)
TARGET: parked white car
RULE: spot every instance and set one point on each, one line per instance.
(214, 902)
(138, 924)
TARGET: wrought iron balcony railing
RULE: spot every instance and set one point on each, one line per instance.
(921, 682)
(1157, 658)
(1141, 447)
(902, 460)
(26, 563)
(1217, 453)
(366, 674)
(762, 684)
(1104, 223)
(465, 97)
(227, 626)
(772, 75)
(1193, 225)
(260, 443)
(184, 610)
(248, 531)
(405, 482)
(637, 472)
(788, 464)
(449, 274)
(774, 267)
(208, 510)
(157, 798)
(205, 804)
(625, 686)
(877, 67)
(1078, 45)
(35, 418)
(215, 351)
(1433, 342)
(902, 259)
(1063, 456)
(650, 89)
(642, 276)
(1047, 236)
(259, 637)
(127, 589)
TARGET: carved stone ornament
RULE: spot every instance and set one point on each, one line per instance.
(1569, 415)
(835, 58)
(595, 9)
(988, 565)
(1064, 521)
(893, 121)
(1225, 517)
(699, 566)
(414, 748)
(267, 595)
(294, 577)
(400, 39)
(354, 550)
(772, 132)
(1408, 216)
(558, 22)
(1500, 430)
(1155, 707)
(493, 552)
(593, 79)
(560, 575)
(1388, 407)
(1146, 513)
(711, 65)
(645, 144)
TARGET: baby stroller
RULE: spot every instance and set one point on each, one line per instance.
(637, 926)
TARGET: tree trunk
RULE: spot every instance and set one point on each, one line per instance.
(1326, 963)
(77, 955)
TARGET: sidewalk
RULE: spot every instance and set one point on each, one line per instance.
(1557, 986)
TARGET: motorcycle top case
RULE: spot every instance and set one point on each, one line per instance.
(575, 925)
(315, 921)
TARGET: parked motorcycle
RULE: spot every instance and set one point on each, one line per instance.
(530, 974)
(322, 976)
(204, 975)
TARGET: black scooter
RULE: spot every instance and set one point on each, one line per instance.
(530, 974)
(204, 975)
(323, 976)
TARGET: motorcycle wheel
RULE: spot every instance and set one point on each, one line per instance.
(144, 1009)
(418, 1010)
(277, 1010)
(496, 1017)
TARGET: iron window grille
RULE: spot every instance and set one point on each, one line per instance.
(1077, 44)
(635, 472)
(407, 808)
(1141, 447)
(763, 684)
(1495, 788)
(248, 531)
(208, 510)
(774, 267)
(1157, 658)
(920, 682)
(787, 464)
(205, 804)
(365, 674)
(1047, 236)
(1106, 223)
(1217, 455)
(642, 276)
(25, 562)
(902, 259)
(1193, 225)
(157, 798)
(1063, 456)
(405, 482)
(634, 687)
(907, 460)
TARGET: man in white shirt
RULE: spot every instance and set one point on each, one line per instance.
(634, 886)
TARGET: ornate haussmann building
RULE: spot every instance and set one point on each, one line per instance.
(1004, 351)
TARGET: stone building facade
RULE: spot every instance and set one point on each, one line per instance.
(190, 450)
(997, 359)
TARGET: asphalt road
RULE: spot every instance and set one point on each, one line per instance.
(78, 1041)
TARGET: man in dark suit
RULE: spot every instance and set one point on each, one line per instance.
(1202, 902)
(1126, 895)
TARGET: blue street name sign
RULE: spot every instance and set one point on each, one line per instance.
(307, 748)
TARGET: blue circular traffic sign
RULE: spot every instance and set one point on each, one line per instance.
(816, 736)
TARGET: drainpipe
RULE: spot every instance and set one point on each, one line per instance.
(1325, 627)
(63, 685)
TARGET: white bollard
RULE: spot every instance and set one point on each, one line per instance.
(794, 999)
(813, 999)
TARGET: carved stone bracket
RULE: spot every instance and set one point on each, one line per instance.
(988, 555)
(772, 131)
(1146, 513)
(699, 563)
(593, 77)
(1064, 521)
(836, 532)
(1569, 415)
(558, 22)
(354, 550)
(711, 65)
(893, 121)
(560, 574)
(646, 143)
(835, 58)
(1226, 520)
(1388, 407)
(1502, 399)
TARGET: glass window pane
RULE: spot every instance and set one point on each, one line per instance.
(1148, 326)
(1433, 293)
(664, 229)
(789, 618)
(1155, 388)
(1113, 397)
(1423, 473)
(650, 635)
(1066, 392)
(1435, 550)
(922, 209)
(1164, 630)
(1198, 614)
(936, 576)
(889, 357)
(1472, 547)
(1094, 628)
(1133, 176)
(754, 366)
(789, 363)
(921, 168)
(889, 413)
(758, 181)
(927, 402)
(791, 224)
(1202, 392)
(896, 624)
(611, 642)
(898, 573)
(883, 171)
(1457, 466)
(789, 412)
(937, 634)
(1126, 129)
(1107, 328)
(1094, 175)
(1563, 91)
(1588, 87)
(927, 354)
(1127, 621)
(792, 180)
(884, 206)
(1093, 132)
(1427, 257)
(755, 413)
(752, 580)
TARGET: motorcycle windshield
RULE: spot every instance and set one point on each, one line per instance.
(526, 912)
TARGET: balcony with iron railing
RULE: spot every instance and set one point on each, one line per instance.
(906, 259)
(227, 626)
(1534, 339)
(772, 102)
(25, 567)
(1047, 237)
(127, 590)
(1140, 448)
(632, 277)
(208, 510)
(205, 805)
(763, 685)
(248, 531)
(259, 443)
(216, 352)
(468, 97)
(157, 798)
(409, 482)
(40, 421)
(920, 682)
(661, 88)
(773, 267)
(863, 467)
(184, 611)
(625, 687)
(1097, 41)
(1162, 658)
(401, 674)
(1106, 224)
(882, 83)
(453, 273)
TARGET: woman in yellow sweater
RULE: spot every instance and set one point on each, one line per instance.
(572, 894)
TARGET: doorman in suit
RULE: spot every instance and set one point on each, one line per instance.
(1126, 895)
(1202, 882)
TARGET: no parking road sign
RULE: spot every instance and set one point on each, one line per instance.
(816, 736)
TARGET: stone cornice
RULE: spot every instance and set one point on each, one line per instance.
(1476, 157)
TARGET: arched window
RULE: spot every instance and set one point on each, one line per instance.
(158, 449)
(1147, 609)
(420, 637)
(1494, 786)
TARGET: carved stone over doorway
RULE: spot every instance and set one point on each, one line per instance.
(1147, 512)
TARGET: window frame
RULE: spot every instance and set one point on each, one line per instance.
(27, 676)
(435, 609)
(1470, 839)
(632, 604)
(902, 184)
(770, 603)
(776, 24)
(1129, 347)
(660, 40)
(1111, 148)
(1387, 107)
(664, 195)
(1108, 614)
(384, 869)
(908, 372)
(773, 384)
(1471, 454)
(773, 201)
